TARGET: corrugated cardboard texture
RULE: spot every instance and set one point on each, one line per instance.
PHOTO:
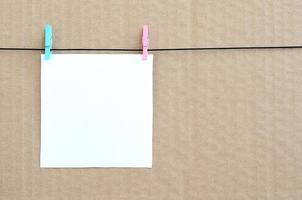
(227, 124)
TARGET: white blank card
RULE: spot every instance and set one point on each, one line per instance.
(96, 111)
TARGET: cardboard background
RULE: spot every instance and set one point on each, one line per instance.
(227, 124)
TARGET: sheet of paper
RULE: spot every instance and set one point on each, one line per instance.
(96, 110)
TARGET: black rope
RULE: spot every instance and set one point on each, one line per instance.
(152, 50)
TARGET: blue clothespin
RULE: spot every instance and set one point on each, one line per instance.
(48, 41)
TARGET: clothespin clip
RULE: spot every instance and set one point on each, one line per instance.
(48, 41)
(145, 41)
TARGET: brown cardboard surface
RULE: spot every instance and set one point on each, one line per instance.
(227, 124)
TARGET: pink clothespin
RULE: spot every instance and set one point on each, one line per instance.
(145, 41)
